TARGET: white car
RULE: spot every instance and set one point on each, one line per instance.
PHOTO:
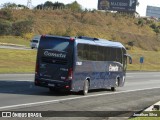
(35, 42)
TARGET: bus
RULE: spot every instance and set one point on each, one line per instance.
(80, 63)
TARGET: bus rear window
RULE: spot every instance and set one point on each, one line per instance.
(52, 43)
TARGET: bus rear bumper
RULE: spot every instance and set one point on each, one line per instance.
(55, 84)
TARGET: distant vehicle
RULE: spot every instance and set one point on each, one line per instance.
(35, 42)
(80, 64)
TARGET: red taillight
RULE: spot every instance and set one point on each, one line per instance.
(72, 39)
(70, 74)
(67, 86)
(43, 36)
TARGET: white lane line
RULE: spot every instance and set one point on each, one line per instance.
(141, 73)
(17, 80)
(72, 98)
(156, 75)
(129, 76)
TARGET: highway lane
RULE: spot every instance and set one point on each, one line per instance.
(17, 91)
(15, 47)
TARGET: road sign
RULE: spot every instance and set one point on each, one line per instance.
(141, 59)
(117, 5)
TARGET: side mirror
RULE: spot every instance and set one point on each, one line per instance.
(130, 60)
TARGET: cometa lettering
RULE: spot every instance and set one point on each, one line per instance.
(113, 68)
(60, 55)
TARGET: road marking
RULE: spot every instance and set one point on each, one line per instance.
(129, 76)
(72, 98)
(141, 73)
(156, 75)
(17, 80)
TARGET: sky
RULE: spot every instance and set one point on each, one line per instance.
(89, 4)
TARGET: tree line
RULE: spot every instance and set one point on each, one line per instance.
(10, 27)
(47, 5)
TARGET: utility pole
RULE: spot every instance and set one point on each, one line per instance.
(29, 4)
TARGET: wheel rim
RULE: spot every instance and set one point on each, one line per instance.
(86, 87)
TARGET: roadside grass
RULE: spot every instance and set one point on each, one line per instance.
(145, 118)
(17, 61)
(14, 40)
(151, 60)
(117, 27)
(23, 61)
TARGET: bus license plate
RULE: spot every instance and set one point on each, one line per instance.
(51, 85)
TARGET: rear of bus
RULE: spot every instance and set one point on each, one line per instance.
(54, 65)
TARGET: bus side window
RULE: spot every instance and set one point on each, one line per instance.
(86, 52)
(119, 55)
(80, 51)
(106, 54)
(100, 53)
(93, 53)
(113, 54)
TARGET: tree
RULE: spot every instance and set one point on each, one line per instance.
(58, 5)
(48, 4)
(5, 27)
(12, 5)
(40, 7)
(74, 6)
(22, 27)
(6, 14)
(9, 5)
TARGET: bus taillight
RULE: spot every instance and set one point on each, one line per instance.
(72, 39)
(70, 74)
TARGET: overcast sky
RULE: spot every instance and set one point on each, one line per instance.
(92, 4)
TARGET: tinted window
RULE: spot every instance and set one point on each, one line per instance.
(119, 55)
(99, 53)
(53, 43)
(93, 52)
(86, 52)
(107, 54)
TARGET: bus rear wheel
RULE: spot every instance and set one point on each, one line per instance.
(113, 89)
(51, 89)
(85, 87)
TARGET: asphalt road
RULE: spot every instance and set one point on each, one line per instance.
(17, 92)
(15, 47)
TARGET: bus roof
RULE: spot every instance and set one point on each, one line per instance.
(92, 41)
(101, 42)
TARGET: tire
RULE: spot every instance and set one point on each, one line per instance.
(117, 82)
(85, 87)
(52, 90)
(113, 89)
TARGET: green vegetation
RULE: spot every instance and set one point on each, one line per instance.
(14, 40)
(151, 60)
(74, 21)
(146, 118)
(141, 36)
(23, 61)
(17, 61)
